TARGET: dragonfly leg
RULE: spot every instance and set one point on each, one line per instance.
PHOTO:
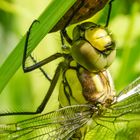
(36, 64)
(46, 98)
(41, 69)
(67, 89)
(66, 36)
(109, 13)
(51, 88)
(42, 62)
(63, 31)
(64, 46)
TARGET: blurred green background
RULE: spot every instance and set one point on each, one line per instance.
(26, 91)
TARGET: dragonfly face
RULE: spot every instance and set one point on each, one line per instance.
(93, 47)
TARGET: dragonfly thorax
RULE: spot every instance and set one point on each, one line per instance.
(97, 88)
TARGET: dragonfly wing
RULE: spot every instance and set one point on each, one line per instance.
(57, 125)
(130, 89)
(129, 100)
(99, 133)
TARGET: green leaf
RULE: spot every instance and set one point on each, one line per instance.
(46, 22)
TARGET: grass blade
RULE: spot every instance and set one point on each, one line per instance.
(47, 20)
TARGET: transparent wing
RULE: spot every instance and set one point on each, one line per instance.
(129, 99)
(60, 124)
(131, 89)
(121, 121)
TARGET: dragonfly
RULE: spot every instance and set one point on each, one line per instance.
(92, 52)
(119, 119)
(88, 38)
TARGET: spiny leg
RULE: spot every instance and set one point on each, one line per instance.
(35, 66)
(109, 13)
(64, 34)
(46, 98)
(64, 81)
(40, 63)
(51, 88)
(44, 61)
(41, 69)
(67, 88)
(63, 31)
(26, 45)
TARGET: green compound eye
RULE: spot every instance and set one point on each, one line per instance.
(99, 38)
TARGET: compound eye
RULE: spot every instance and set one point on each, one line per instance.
(99, 38)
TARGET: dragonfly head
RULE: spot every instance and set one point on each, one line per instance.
(93, 47)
